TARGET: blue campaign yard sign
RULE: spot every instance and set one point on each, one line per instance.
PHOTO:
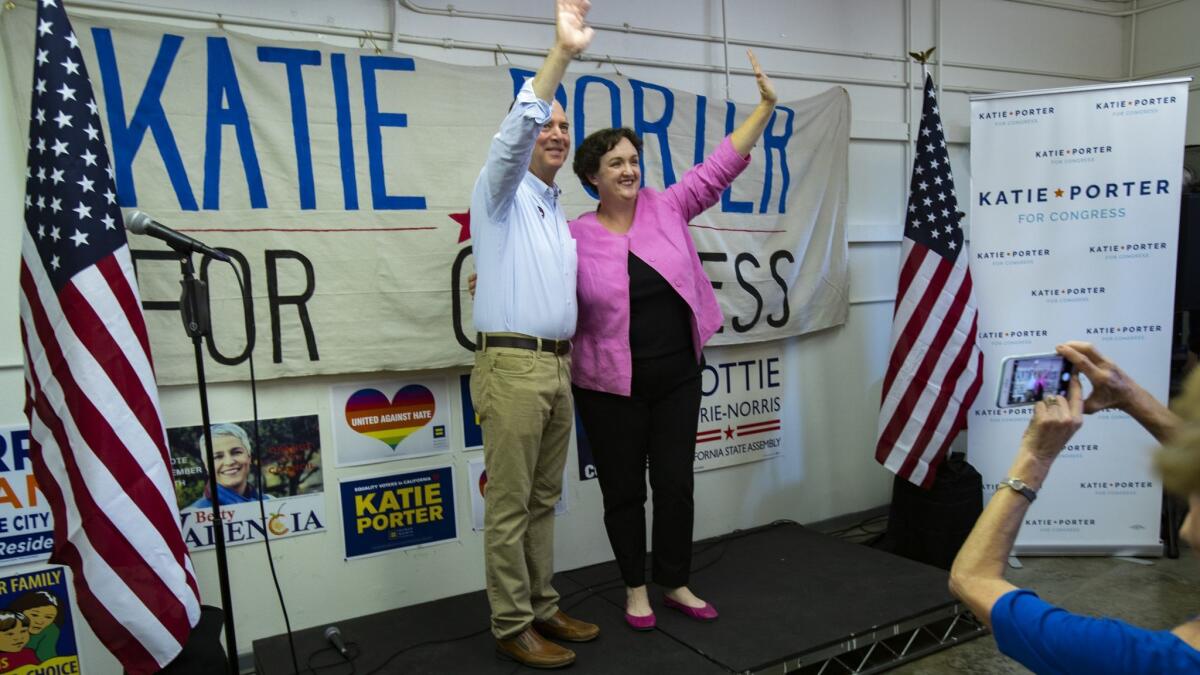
(398, 511)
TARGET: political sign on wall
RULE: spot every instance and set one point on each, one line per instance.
(398, 511)
(395, 419)
(741, 412)
(289, 449)
(37, 632)
(339, 181)
(472, 431)
(477, 480)
(741, 409)
(26, 528)
(1074, 226)
(477, 488)
(583, 446)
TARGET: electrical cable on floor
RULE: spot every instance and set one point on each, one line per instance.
(426, 643)
(862, 527)
(351, 647)
(604, 586)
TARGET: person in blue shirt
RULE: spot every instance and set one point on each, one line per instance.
(231, 461)
(1045, 638)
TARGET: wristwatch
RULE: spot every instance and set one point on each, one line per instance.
(1020, 487)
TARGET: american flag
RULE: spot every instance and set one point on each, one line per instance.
(98, 443)
(935, 368)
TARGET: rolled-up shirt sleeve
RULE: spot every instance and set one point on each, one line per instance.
(511, 149)
(1048, 639)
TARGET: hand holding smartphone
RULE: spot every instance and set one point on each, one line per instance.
(1025, 380)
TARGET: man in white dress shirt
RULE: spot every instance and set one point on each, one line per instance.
(521, 384)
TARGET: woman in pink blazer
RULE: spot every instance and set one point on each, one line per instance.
(646, 309)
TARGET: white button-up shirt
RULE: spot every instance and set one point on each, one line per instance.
(524, 253)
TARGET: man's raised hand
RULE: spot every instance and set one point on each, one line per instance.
(571, 30)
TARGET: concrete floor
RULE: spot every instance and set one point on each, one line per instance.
(1161, 595)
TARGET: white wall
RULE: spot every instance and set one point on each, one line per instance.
(1166, 45)
(834, 376)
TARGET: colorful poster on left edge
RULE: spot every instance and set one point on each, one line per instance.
(293, 489)
(398, 511)
(37, 634)
(26, 529)
(397, 419)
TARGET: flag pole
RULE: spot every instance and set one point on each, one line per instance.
(923, 59)
(929, 375)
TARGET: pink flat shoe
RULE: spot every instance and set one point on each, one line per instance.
(705, 613)
(640, 623)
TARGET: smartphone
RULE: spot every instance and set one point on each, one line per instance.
(1024, 380)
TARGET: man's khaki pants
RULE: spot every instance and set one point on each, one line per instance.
(523, 399)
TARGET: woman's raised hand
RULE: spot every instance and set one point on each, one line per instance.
(766, 90)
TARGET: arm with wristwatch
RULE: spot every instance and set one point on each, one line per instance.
(1043, 637)
(977, 576)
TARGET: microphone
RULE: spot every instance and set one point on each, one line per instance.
(334, 637)
(140, 223)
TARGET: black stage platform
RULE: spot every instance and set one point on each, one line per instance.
(791, 600)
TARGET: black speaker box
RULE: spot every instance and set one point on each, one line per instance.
(930, 526)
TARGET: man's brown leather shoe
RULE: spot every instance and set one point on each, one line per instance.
(562, 627)
(531, 649)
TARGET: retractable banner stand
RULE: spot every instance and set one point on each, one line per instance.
(1074, 228)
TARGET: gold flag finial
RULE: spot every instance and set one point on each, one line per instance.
(922, 57)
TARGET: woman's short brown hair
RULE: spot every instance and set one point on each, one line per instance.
(587, 156)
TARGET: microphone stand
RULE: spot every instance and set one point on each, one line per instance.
(197, 322)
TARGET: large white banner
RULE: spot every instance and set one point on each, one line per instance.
(1074, 228)
(340, 181)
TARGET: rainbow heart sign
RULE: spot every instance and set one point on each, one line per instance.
(390, 420)
(370, 413)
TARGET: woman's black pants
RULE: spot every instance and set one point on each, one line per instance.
(655, 425)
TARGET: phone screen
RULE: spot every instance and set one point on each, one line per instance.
(1027, 379)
